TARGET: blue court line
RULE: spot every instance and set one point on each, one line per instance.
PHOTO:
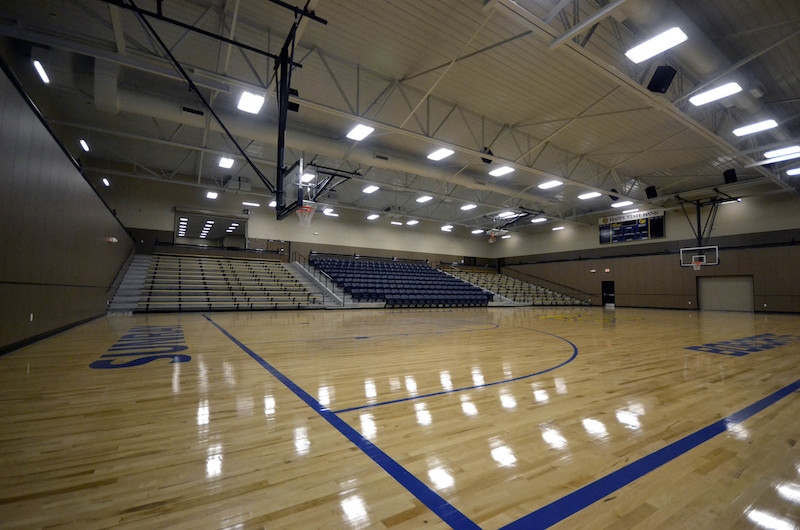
(568, 505)
(572, 358)
(446, 511)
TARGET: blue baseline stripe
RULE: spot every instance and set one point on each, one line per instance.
(572, 358)
(570, 504)
(446, 511)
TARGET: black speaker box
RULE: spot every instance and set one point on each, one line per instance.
(661, 79)
(651, 192)
(730, 176)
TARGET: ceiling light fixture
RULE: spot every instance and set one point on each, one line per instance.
(550, 184)
(658, 44)
(589, 195)
(755, 127)
(714, 94)
(506, 215)
(507, 236)
(373, 216)
(631, 211)
(469, 207)
(556, 228)
(539, 220)
(84, 145)
(273, 204)
(792, 149)
(478, 231)
(620, 204)
(412, 222)
(106, 183)
(794, 171)
(424, 198)
(359, 132)
(307, 177)
(250, 102)
(212, 195)
(226, 163)
(42, 73)
(502, 170)
(370, 189)
(440, 154)
(447, 228)
(253, 204)
(396, 223)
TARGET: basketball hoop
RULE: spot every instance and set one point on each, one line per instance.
(492, 238)
(697, 264)
(305, 213)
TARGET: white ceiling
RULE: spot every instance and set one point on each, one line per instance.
(465, 74)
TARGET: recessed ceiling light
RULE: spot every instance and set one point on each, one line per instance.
(447, 228)
(42, 73)
(253, 204)
(226, 163)
(397, 223)
(620, 204)
(478, 231)
(251, 103)
(755, 127)
(503, 170)
(556, 228)
(590, 195)
(440, 154)
(412, 222)
(714, 94)
(183, 219)
(84, 145)
(212, 194)
(370, 189)
(794, 171)
(550, 184)
(783, 151)
(359, 132)
(273, 204)
(424, 198)
(631, 211)
(307, 177)
(469, 207)
(658, 44)
(373, 216)
(539, 220)
(106, 183)
(505, 236)
(506, 215)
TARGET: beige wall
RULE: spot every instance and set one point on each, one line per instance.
(57, 264)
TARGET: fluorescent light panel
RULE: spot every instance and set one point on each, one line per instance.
(714, 94)
(84, 145)
(791, 172)
(755, 127)
(412, 222)
(226, 163)
(620, 204)
(251, 103)
(589, 195)
(658, 44)
(507, 236)
(424, 198)
(42, 73)
(477, 231)
(106, 183)
(506, 215)
(253, 204)
(550, 184)
(539, 220)
(359, 132)
(307, 177)
(273, 204)
(396, 223)
(370, 189)
(783, 151)
(440, 154)
(447, 228)
(373, 216)
(503, 170)
(212, 195)
(556, 228)
(469, 207)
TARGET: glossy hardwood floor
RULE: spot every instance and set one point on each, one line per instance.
(486, 417)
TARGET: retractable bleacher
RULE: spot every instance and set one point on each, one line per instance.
(519, 291)
(400, 284)
(204, 283)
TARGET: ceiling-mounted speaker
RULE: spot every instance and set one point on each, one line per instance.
(651, 192)
(730, 176)
(661, 79)
(487, 151)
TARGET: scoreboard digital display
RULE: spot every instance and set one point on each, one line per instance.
(635, 226)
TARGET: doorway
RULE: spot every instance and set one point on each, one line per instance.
(607, 291)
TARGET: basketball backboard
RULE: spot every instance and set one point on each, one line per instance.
(706, 255)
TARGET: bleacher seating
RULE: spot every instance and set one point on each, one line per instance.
(200, 283)
(517, 290)
(400, 284)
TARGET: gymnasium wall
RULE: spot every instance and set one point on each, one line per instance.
(57, 265)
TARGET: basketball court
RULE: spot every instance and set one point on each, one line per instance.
(469, 418)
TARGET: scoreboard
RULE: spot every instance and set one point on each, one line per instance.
(634, 226)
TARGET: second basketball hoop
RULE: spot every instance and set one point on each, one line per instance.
(304, 214)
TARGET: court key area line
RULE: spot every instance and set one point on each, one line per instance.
(446, 511)
(572, 358)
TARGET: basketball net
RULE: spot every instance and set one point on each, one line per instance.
(305, 213)
(492, 238)
(697, 265)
